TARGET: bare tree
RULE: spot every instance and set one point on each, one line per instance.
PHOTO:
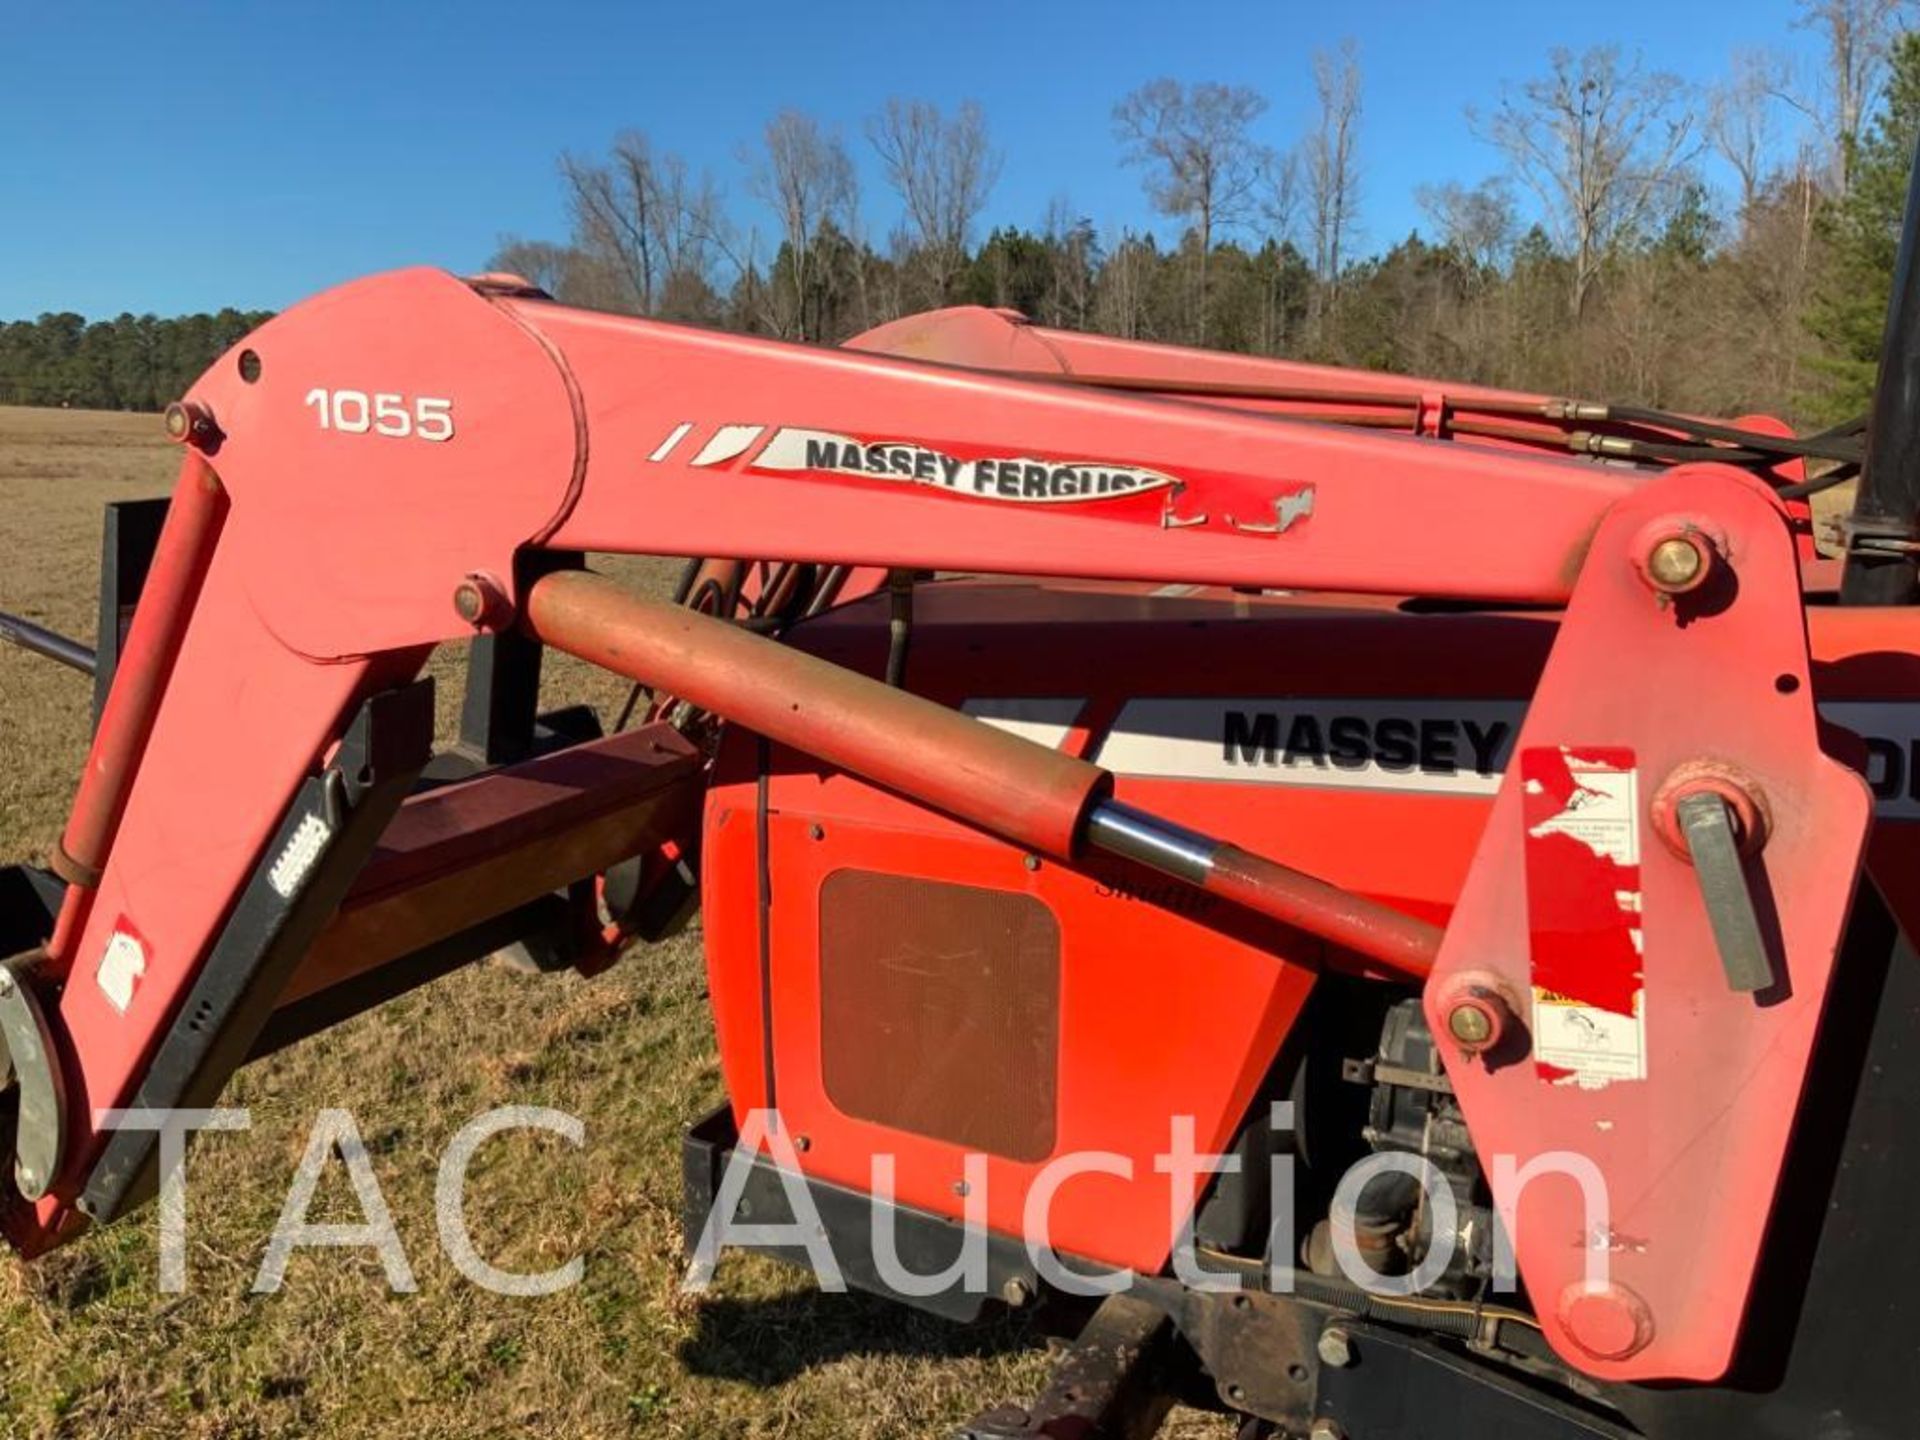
(943, 170)
(1074, 258)
(1121, 299)
(1477, 224)
(642, 219)
(1739, 120)
(1278, 195)
(1859, 38)
(1200, 160)
(1601, 144)
(805, 176)
(541, 262)
(1328, 153)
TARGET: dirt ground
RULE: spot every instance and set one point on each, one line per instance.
(90, 1347)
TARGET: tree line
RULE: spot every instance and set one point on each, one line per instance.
(134, 362)
(1625, 273)
(1722, 248)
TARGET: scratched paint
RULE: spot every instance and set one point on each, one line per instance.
(1580, 808)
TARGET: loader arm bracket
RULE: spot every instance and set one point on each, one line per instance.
(324, 839)
(1626, 1090)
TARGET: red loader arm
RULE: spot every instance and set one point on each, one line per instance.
(392, 456)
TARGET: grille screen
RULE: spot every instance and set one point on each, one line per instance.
(940, 1010)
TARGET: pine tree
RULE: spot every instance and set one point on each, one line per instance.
(1862, 231)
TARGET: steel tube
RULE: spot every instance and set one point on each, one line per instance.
(1148, 840)
(1295, 898)
(1025, 792)
(42, 641)
(153, 642)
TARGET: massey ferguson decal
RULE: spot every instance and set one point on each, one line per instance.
(1457, 747)
(1021, 479)
(1449, 747)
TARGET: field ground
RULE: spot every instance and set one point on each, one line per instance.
(89, 1347)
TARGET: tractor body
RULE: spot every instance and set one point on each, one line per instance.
(1388, 895)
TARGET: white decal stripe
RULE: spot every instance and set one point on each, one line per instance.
(727, 442)
(665, 448)
(1045, 720)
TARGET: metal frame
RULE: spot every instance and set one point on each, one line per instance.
(323, 563)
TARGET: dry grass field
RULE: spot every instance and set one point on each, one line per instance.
(90, 1347)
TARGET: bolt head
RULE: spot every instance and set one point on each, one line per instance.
(6, 982)
(1470, 1024)
(1475, 1011)
(190, 424)
(1325, 1429)
(1677, 563)
(1335, 1348)
(482, 602)
(1016, 1292)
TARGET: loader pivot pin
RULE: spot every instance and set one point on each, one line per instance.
(482, 602)
(1480, 1015)
(1470, 1026)
(190, 424)
(1677, 562)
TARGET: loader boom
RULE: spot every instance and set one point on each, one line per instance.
(394, 465)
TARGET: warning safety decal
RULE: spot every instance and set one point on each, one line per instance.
(1581, 811)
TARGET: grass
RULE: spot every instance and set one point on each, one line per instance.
(89, 1347)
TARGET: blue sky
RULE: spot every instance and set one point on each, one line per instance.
(172, 156)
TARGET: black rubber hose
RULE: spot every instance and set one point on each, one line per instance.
(1807, 488)
(1828, 445)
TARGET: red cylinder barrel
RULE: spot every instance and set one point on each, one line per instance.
(1364, 926)
(1025, 792)
(153, 641)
